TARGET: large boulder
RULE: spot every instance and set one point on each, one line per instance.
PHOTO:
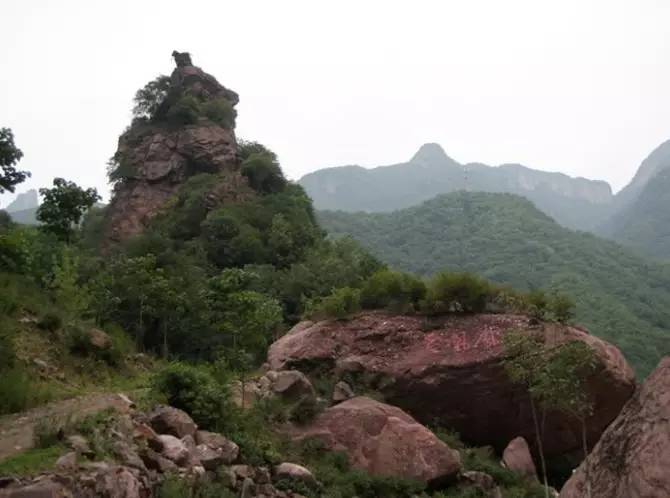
(632, 459)
(169, 420)
(383, 440)
(517, 458)
(448, 370)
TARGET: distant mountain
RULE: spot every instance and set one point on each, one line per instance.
(641, 218)
(620, 296)
(574, 202)
(26, 200)
(25, 216)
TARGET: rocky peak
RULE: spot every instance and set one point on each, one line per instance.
(430, 153)
(191, 131)
(26, 200)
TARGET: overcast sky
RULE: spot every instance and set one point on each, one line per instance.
(578, 86)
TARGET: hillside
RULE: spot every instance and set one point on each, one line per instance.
(574, 202)
(620, 297)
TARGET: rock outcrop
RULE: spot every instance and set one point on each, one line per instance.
(157, 158)
(517, 458)
(632, 459)
(451, 372)
(383, 440)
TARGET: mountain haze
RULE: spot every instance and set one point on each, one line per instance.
(574, 202)
(620, 296)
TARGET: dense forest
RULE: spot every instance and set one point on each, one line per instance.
(620, 296)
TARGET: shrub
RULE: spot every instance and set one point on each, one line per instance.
(562, 308)
(7, 353)
(221, 112)
(342, 303)
(396, 291)
(78, 341)
(50, 321)
(194, 390)
(457, 292)
(185, 111)
(18, 392)
(263, 173)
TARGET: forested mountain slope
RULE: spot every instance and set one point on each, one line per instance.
(620, 296)
(573, 202)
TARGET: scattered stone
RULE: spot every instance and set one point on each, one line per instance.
(155, 461)
(142, 432)
(67, 462)
(517, 458)
(230, 450)
(80, 445)
(127, 455)
(126, 400)
(243, 471)
(46, 488)
(209, 457)
(292, 384)
(168, 420)
(294, 472)
(248, 488)
(342, 392)
(383, 440)
(174, 449)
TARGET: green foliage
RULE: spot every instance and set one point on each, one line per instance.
(178, 487)
(14, 249)
(194, 390)
(50, 321)
(221, 112)
(341, 303)
(263, 173)
(619, 296)
(18, 392)
(457, 292)
(67, 290)
(396, 291)
(185, 111)
(31, 462)
(64, 206)
(78, 342)
(10, 154)
(245, 148)
(149, 98)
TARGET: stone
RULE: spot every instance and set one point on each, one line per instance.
(127, 455)
(293, 385)
(142, 432)
(174, 449)
(99, 339)
(632, 458)
(383, 440)
(121, 482)
(481, 481)
(262, 475)
(248, 488)
(209, 457)
(252, 393)
(67, 462)
(452, 375)
(47, 488)
(80, 445)
(243, 471)
(155, 461)
(518, 459)
(168, 420)
(229, 451)
(294, 472)
(342, 392)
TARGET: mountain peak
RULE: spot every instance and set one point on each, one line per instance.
(430, 153)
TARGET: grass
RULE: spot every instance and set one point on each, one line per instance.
(31, 461)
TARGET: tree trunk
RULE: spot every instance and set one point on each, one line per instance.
(540, 447)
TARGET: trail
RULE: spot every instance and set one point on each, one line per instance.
(17, 431)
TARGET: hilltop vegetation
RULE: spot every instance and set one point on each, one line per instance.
(620, 296)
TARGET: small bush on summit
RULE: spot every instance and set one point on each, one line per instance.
(263, 173)
(185, 111)
(457, 292)
(343, 302)
(221, 112)
(396, 291)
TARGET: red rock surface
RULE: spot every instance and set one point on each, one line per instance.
(632, 459)
(450, 372)
(383, 440)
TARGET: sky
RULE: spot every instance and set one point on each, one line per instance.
(577, 86)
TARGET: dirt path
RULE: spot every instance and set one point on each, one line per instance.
(17, 431)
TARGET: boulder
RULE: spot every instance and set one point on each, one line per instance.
(174, 449)
(67, 462)
(210, 458)
(155, 461)
(168, 420)
(632, 458)
(228, 450)
(80, 445)
(99, 339)
(46, 488)
(294, 472)
(451, 374)
(383, 440)
(292, 385)
(342, 391)
(517, 458)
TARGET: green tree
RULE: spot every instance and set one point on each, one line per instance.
(63, 207)
(263, 173)
(71, 296)
(150, 97)
(10, 154)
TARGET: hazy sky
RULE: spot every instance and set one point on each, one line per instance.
(579, 86)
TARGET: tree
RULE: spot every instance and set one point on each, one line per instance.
(554, 375)
(149, 98)
(263, 173)
(10, 154)
(64, 206)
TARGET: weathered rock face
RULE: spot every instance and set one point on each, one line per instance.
(632, 459)
(383, 440)
(157, 158)
(452, 373)
(517, 458)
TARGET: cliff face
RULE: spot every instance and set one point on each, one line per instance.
(157, 156)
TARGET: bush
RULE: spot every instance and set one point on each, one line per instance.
(396, 291)
(342, 303)
(263, 173)
(50, 321)
(457, 292)
(78, 341)
(18, 393)
(185, 111)
(221, 112)
(194, 390)
(7, 353)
